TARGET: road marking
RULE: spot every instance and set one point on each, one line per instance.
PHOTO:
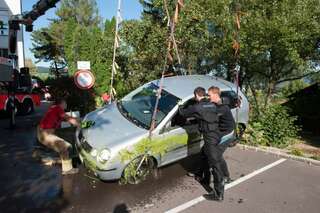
(228, 186)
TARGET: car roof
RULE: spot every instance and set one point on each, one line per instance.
(184, 85)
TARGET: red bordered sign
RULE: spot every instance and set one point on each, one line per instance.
(84, 79)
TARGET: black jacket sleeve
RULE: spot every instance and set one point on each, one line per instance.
(189, 111)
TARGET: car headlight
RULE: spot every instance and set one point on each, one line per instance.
(94, 153)
(104, 156)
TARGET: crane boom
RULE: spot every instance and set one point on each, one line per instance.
(27, 19)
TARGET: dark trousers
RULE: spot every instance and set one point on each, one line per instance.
(203, 169)
(212, 158)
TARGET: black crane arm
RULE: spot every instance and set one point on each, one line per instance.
(27, 18)
(39, 9)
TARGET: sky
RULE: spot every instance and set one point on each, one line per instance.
(131, 9)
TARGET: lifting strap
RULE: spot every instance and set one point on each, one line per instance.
(115, 67)
(236, 49)
(169, 56)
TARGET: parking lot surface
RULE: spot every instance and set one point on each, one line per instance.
(267, 183)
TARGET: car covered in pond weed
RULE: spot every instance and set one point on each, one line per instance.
(116, 144)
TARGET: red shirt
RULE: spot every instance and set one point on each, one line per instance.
(53, 118)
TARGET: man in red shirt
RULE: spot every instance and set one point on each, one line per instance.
(46, 134)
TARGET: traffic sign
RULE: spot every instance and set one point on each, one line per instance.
(84, 79)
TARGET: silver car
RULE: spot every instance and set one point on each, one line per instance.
(118, 128)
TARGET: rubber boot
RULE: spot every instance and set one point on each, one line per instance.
(218, 193)
(67, 168)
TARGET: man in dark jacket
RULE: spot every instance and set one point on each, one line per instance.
(206, 114)
(226, 125)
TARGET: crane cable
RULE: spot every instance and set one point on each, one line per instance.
(236, 48)
(116, 45)
(168, 58)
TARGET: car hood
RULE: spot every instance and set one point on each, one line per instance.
(110, 128)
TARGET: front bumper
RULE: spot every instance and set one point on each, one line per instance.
(110, 172)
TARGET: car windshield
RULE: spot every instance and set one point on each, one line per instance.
(139, 105)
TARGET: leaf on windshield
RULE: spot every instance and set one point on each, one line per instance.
(87, 124)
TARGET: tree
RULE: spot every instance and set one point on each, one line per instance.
(53, 44)
(278, 42)
(83, 12)
(45, 48)
(77, 35)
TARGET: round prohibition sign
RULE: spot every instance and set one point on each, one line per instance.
(84, 79)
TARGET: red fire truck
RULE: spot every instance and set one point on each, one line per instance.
(18, 85)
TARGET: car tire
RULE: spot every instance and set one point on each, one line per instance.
(148, 168)
(26, 107)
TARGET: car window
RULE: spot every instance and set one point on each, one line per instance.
(138, 106)
(230, 98)
(178, 121)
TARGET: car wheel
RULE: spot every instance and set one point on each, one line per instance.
(138, 170)
(27, 107)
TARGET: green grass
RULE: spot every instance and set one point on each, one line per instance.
(316, 157)
(296, 152)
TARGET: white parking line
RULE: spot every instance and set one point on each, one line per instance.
(228, 186)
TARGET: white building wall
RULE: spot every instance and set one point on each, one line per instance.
(8, 8)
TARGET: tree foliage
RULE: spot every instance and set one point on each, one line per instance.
(77, 34)
(279, 42)
(275, 127)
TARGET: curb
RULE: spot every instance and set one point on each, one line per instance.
(279, 153)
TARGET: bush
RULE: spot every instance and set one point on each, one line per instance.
(274, 127)
(296, 152)
(254, 135)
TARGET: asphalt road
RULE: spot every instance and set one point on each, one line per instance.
(261, 185)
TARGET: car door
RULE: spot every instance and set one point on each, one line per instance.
(184, 135)
(177, 138)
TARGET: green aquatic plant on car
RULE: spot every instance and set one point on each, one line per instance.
(141, 155)
(87, 124)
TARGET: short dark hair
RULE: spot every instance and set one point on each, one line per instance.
(200, 91)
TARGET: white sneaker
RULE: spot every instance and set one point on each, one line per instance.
(71, 171)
